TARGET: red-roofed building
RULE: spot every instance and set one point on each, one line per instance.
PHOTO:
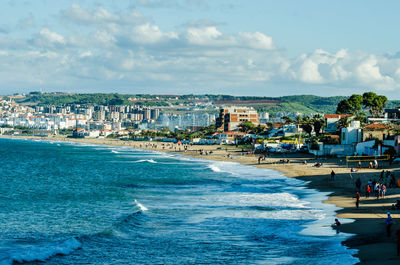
(78, 133)
(375, 130)
(331, 121)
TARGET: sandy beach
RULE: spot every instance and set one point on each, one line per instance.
(369, 228)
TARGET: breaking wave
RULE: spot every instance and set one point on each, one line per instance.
(40, 253)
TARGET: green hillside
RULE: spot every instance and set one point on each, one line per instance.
(306, 104)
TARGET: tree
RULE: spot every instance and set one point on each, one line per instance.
(298, 121)
(165, 131)
(361, 116)
(357, 104)
(343, 123)
(259, 129)
(287, 120)
(307, 125)
(246, 126)
(374, 102)
(318, 123)
(350, 105)
(394, 128)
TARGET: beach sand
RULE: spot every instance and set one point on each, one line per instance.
(369, 228)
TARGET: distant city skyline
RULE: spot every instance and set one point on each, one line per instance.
(260, 48)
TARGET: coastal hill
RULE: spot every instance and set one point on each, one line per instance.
(306, 104)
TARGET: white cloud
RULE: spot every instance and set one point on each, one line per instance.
(105, 37)
(77, 14)
(125, 49)
(257, 40)
(209, 36)
(203, 36)
(309, 72)
(368, 71)
(150, 34)
(52, 37)
(85, 54)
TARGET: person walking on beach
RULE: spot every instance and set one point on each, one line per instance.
(383, 191)
(358, 184)
(389, 222)
(333, 175)
(382, 175)
(357, 199)
(378, 189)
(367, 191)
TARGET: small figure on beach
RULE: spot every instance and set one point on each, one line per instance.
(397, 205)
(359, 164)
(357, 199)
(389, 222)
(318, 164)
(382, 175)
(358, 184)
(375, 164)
(352, 170)
(367, 191)
(337, 225)
(383, 191)
(333, 175)
(392, 182)
(377, 190)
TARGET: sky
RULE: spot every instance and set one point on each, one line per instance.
(252, 47)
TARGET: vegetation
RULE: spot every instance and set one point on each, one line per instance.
(357, 104)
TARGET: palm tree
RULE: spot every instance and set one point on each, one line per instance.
(343, 123)
(298, 120)
(306, 125)
(318, 123)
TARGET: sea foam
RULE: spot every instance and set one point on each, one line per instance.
(40, 253)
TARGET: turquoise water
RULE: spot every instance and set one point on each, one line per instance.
(64, 203)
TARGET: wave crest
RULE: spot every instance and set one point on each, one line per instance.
(41, 253)
(145, 160)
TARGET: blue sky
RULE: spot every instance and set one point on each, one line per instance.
(259, 47)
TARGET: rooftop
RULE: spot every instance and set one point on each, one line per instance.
(376, 126)
(337, 116)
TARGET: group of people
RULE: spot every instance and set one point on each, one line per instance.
(204, 152)
(379, 189)
(371, 164)
(261, 158)
(317, 164)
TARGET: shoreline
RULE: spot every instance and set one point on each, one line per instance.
(368, 229)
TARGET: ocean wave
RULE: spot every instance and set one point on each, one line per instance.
(145, 160)
(40, 253)
(214, 168)
(139, 206)
(114, 151)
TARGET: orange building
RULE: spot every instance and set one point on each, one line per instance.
(230, 118)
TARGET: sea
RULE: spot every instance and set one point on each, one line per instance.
(70, 203)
